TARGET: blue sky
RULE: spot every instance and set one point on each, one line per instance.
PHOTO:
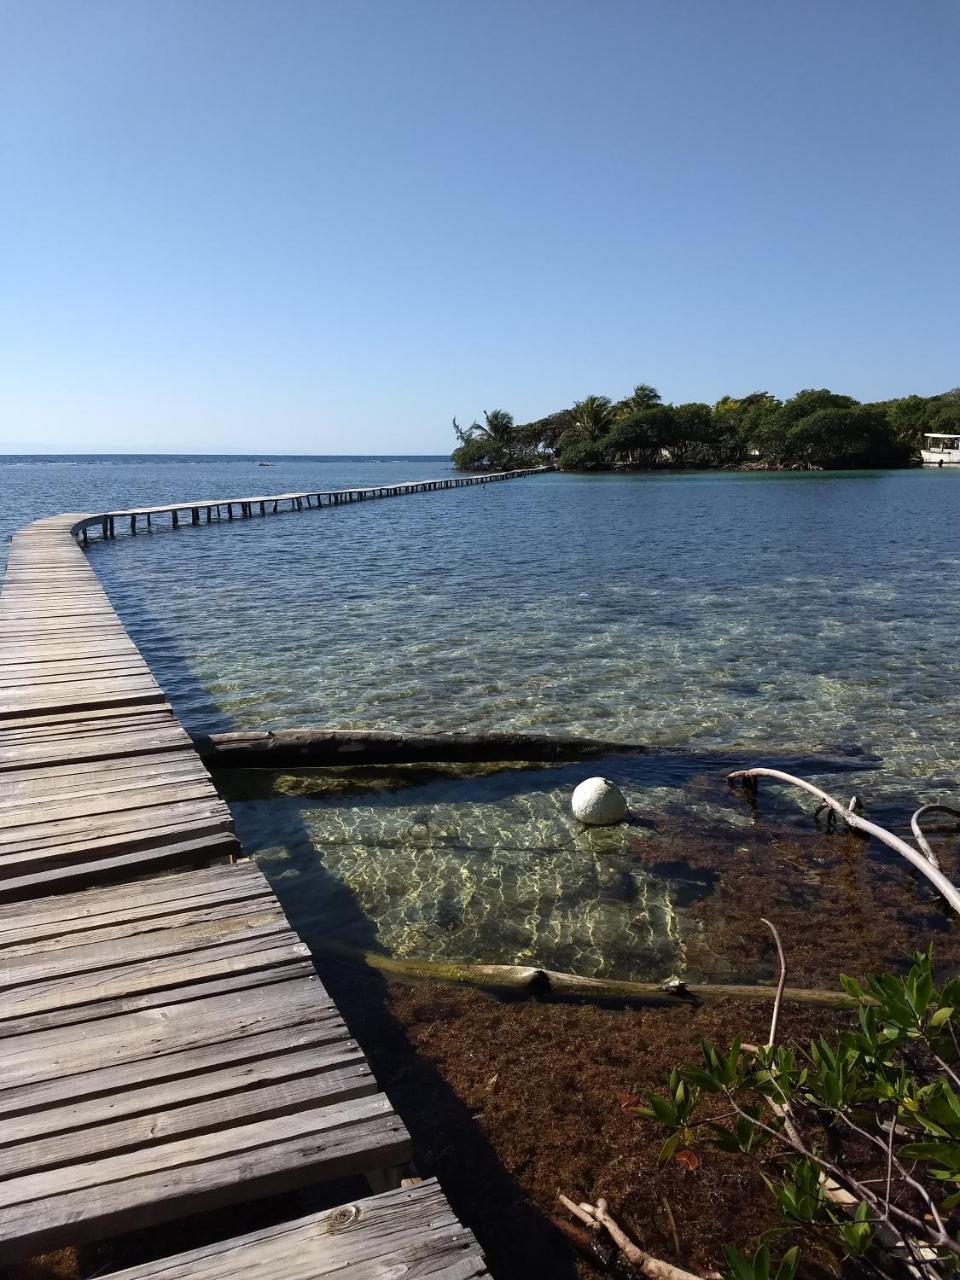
(328, 227)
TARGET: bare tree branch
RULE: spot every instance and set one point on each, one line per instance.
(778, 999)
(853, 820)
(918, 834)
(597, 1216)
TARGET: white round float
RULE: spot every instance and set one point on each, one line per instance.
(598, 802)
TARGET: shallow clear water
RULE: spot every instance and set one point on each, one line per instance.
(723, 615)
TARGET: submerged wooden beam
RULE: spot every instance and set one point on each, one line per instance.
(315, 748)
(530, 981)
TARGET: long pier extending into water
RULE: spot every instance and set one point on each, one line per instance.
(167, 1046)
(206, 510)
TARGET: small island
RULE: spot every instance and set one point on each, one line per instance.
(814, 430)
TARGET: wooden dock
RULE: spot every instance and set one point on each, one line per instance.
(167, 1044)
(206, 510)
(167, 1047)
(98, 779)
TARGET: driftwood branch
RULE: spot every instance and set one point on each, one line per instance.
(597, 1216)
(528, 981)
(918, 835)
(853, 819)
(317, 748)
(781, 982)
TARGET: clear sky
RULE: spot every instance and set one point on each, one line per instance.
(327, 226)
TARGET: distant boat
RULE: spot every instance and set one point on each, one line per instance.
(940, 450)
(264, 464)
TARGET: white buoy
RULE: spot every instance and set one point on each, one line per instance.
(598, 802)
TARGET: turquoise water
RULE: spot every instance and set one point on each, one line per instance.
(724, 616)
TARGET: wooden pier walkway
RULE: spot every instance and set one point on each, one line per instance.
(167, 1047)
(98, 779)
(205, 510)
(166, 1044)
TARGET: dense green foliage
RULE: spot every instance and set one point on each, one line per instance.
(813, 429)
(857, 1136)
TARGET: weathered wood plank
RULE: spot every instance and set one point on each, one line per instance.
(408, 1232)
(58, 815)
(132, 924)
(70, 916)
(44, 1210)
(22, 845)
(195, 933)
(284, 1086)
(259, 948)
(57, 784)
(139, 858)
(240, 998)
(107, 1095)
(192, 934)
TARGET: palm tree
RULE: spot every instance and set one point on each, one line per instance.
(593, 416)
(497, 427)
(644, 397)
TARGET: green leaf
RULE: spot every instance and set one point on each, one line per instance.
(669, 1147)
(946, 1154)
(922, 992)
(663, 1110)
(739, 1267)
(940, 1017)
(704, 1080)
(724, 1138)
(733, 1061)
(710, 1057)
(851, 987)
(761, 1263)
(858, 1234)
(788, 1264)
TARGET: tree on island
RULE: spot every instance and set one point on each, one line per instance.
(491, 445)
